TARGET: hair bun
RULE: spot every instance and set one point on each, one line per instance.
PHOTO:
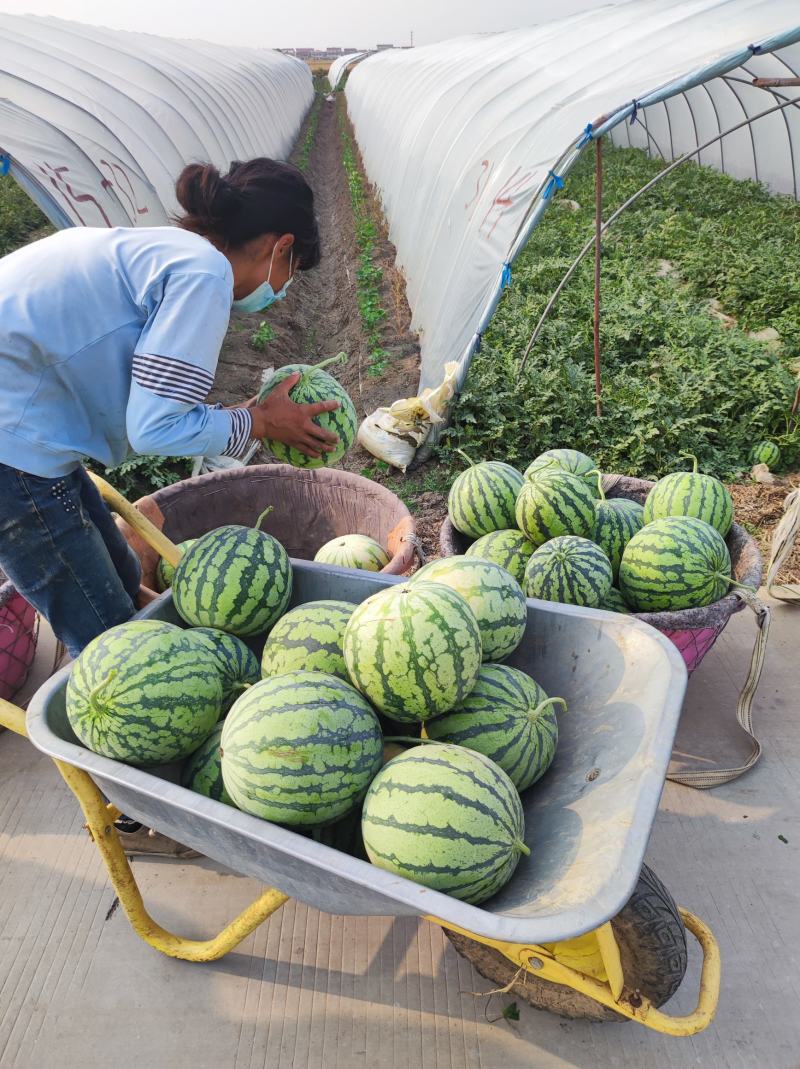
(205, 195)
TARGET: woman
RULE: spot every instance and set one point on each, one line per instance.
(109, 340)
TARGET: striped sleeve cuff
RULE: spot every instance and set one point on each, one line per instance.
(241, 431)
(174, 379)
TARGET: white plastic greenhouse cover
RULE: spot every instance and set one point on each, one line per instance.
(467, 140)
(339, 66)
(96, 124)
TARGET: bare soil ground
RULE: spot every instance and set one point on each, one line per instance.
(758, 507)
(320, 316)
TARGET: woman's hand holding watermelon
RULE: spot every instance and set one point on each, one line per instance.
(279, 418)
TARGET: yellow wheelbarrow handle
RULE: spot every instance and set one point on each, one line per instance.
(141, 525)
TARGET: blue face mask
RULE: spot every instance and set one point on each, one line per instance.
(264, 295)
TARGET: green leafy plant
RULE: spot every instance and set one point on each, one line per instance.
(138, 475)
(676, 376)
(19, 216)
(262, 336)
(368, 274)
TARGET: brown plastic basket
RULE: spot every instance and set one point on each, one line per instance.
(309, 507)
(693, 631)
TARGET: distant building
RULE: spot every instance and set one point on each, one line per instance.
(383, 48)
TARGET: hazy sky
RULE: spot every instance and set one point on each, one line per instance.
(314, 23)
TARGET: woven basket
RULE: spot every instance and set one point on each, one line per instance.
(18, 636)
(693, 631)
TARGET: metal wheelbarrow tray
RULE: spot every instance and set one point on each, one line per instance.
(587, 821)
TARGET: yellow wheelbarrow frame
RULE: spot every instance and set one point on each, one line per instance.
(589, 964)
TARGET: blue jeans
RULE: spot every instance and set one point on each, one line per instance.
(60, 547)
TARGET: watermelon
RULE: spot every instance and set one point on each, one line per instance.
(493, 594)
(483, 497)
(309, 638)
(675, 563)
(165, 571)
(616, 522)
(507, 717)
(202, 772)
(766, 453)
(570, 570)
(315, 385)
(144, 692)
(569, 460)
(413, 650)
(354, 551)
(510, 549)
(446, 817)
(688, 493)
(614, 602)
(238, 665)
(237, 579)
(300, 749)
(555, 503)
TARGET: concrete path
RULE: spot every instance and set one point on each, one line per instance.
(307, 991)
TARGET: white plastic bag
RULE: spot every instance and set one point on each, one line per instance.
(394, 434)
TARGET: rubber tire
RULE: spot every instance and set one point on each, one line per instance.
(652, 944)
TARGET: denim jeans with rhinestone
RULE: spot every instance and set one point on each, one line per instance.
(60, 547)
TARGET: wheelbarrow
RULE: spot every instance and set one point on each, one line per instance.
(581, 928)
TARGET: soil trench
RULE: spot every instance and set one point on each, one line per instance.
(320, 316)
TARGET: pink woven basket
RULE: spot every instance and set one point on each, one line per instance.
(693, 631)
(18, 634)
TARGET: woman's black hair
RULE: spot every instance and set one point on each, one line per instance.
(259, 196)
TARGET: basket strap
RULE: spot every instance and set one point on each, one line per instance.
(703, 779)
(783, 539)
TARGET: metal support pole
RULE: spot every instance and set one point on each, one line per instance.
(631, 200)
(598, 230)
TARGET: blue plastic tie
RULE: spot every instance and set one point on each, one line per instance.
(554, 182)
(755, 49)
(635, 112)
(586, 135)
(5, 164)
(505, 278)
(478, 339)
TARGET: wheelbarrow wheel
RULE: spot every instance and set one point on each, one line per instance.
(652, 945)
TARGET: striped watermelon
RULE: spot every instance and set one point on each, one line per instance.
(315, 385)
(300, 749)
(614, 602)
(571, 570)
(569, 460)
(202, 772)
(165, 571)
(145, 693)
(510, 549)
(675, 563)
(414, 651)
(507, 717)
(688, 493)
(235, 578)
(308, 638)
(493, 594)
(445, 817)
(354, 551)
(555, 503)
(238, 665)
(766, 453)
(482, 498)
(616, 522)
